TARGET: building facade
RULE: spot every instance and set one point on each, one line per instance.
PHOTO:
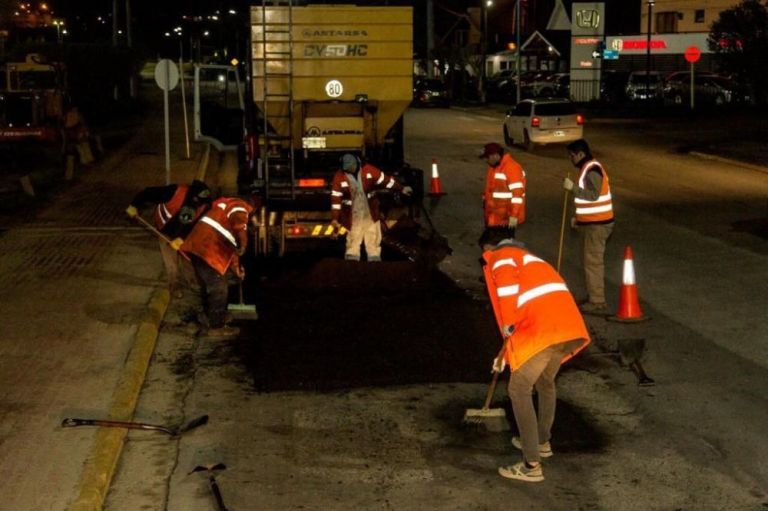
(682, 16)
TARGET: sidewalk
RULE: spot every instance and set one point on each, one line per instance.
(78, 285)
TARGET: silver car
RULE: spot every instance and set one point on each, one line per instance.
(543, 121)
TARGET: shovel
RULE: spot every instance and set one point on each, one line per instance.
(173, 431)
(212, 482)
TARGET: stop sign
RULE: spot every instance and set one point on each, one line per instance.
(692, 54)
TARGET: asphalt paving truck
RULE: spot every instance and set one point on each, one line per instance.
(323, 80)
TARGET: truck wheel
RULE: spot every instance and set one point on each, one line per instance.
(507, 139)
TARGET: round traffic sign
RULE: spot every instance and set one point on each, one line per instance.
(334, 88)
(166, 74)
(692, 54)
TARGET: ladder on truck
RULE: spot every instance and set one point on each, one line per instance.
(277, 86)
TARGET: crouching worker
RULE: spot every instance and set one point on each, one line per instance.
(355, 205)
(215, 246)
(177, 208)
(542, 328)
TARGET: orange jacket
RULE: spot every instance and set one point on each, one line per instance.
(341, 195)
(527, 293)
(165, 212)
(504, 193)
(599, 210)
(218, 234)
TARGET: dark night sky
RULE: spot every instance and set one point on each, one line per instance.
(153, 17)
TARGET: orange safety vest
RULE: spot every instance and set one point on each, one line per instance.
(218, 234)
(165, 211)
(596, 211)
(504, 193)
(527, 293)
(341, 194)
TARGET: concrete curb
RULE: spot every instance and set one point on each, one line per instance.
(729, 161)
(108, 443)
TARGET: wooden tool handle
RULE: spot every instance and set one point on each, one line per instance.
(160, 235)
(494, 381)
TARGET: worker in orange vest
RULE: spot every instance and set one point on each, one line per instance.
(542, 328)
(594, 220)
(355, 205)
(177, 208)
(215, 246)
(504, 192)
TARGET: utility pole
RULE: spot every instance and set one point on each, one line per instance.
(430, 37)
(114, 40)
(114, 23)
(519, 52)
(648, 53)
(129, 42)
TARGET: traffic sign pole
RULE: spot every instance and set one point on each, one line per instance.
(167, 77)
(167, 128)
(692, 55)
(692, 84)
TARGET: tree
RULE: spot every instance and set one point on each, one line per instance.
(739, 39)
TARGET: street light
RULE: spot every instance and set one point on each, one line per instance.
(648, 52)
(484, 6)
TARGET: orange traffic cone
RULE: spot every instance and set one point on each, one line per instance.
(435, 187)
(629, 305)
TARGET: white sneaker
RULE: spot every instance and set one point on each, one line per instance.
(545, 449)
(522, 473)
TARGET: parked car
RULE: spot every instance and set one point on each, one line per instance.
(537, 85)
(613, 85)
(557, 85)
(708, 90)
(542, 121)
(642, 86)
(501, 86)
(681, 76)
(428, 91)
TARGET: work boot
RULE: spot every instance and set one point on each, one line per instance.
(222, 332)
(545, 449)
(594, 308)
(521, 472)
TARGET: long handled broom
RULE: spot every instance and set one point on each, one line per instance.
(159, 234)
(494, 419)
(242, 310)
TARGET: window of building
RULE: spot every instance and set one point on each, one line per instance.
(666, 22)
(698, 16)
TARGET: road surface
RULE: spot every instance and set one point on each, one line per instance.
(348, 392)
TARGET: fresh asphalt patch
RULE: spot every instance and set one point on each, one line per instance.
(332, 324)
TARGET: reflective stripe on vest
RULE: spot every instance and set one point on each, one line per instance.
(502, 195)
(601, 209)
(539, 291)
(220, 228)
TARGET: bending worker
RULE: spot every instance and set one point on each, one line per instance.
(542, 328)
(177, 209)
(355, 205)
(215, 246)
(594, 219)
(504, 192)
